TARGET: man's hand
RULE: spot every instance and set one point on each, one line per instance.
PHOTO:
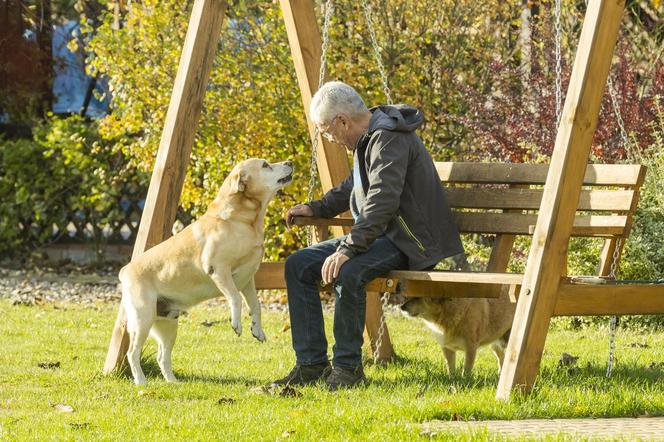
(332, 265)
(299, 210)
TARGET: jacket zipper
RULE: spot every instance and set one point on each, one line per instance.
(410, 233)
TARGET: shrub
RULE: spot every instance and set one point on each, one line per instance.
(67, 173)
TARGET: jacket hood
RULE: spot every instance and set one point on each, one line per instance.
(397, 117)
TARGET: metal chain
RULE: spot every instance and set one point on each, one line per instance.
(614, 319)
(559, 86)
(616, 110)
(613, 325)
(388, 96)
(313, 169)
(381, 329)
(377, 50)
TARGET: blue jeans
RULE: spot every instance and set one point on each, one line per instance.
(303, 276)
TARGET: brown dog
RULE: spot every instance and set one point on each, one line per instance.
(466, 324)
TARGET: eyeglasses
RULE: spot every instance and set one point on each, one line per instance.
(325, 131)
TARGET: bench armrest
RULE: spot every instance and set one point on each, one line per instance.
(322, 222)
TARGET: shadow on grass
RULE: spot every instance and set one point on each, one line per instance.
(152, 371)
(426, 374)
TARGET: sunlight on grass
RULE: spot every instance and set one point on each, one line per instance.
(218, 370)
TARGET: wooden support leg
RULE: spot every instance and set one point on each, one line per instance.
(175, 146)
(117, 349)
(538, 295)
(372, 330)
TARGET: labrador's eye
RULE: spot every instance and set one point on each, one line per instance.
(265, 165)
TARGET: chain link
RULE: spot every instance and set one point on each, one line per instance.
(559, 86)
(616, 110)
(313, 165)
(381, 329)
(377, 51)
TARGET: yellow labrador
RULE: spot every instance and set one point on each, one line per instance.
(218, 253)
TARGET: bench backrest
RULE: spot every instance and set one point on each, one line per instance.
(500, 198)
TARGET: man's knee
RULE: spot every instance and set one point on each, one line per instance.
(297, 265)
(351, 278)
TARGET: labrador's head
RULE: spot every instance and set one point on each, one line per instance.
(260, 179)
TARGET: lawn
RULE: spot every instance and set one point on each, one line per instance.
(40, 400)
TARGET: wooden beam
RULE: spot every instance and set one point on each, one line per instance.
(609, 299)
(537, 298)
(305, 43)
(175, 146)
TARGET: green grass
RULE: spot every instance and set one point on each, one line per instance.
(213, 364)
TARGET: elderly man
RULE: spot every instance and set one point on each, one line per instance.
(402, 221)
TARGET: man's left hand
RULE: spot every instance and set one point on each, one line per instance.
(332, 265)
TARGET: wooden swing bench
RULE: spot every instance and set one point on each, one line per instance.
(502, 200)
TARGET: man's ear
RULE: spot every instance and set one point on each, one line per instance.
(238, 181)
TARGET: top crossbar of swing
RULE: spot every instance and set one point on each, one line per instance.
(504, 199)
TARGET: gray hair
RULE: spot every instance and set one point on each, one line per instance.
(334, 98)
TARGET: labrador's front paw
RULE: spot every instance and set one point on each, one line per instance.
(237, 326)
(257, 332)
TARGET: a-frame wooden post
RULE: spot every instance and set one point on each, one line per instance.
(306, 47)
(175, 146)
(545, 266)
(305, 43)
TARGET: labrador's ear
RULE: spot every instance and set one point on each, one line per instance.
(238, 181)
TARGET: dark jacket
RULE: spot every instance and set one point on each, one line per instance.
(400, 196)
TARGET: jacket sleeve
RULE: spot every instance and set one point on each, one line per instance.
(387, 175)
(335, 201)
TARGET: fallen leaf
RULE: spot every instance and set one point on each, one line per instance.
(80, 425)
(48, 365)
(63, 408)
(286, 327)
(225, 400)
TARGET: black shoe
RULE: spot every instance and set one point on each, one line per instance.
(345, 378)
(304, 375)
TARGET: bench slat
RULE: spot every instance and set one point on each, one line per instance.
(529, 199)
(449, 276)
(504, 223)
(523, 224)
(624, 175)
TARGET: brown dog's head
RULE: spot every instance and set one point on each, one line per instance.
(424, 308)
(259, 179)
